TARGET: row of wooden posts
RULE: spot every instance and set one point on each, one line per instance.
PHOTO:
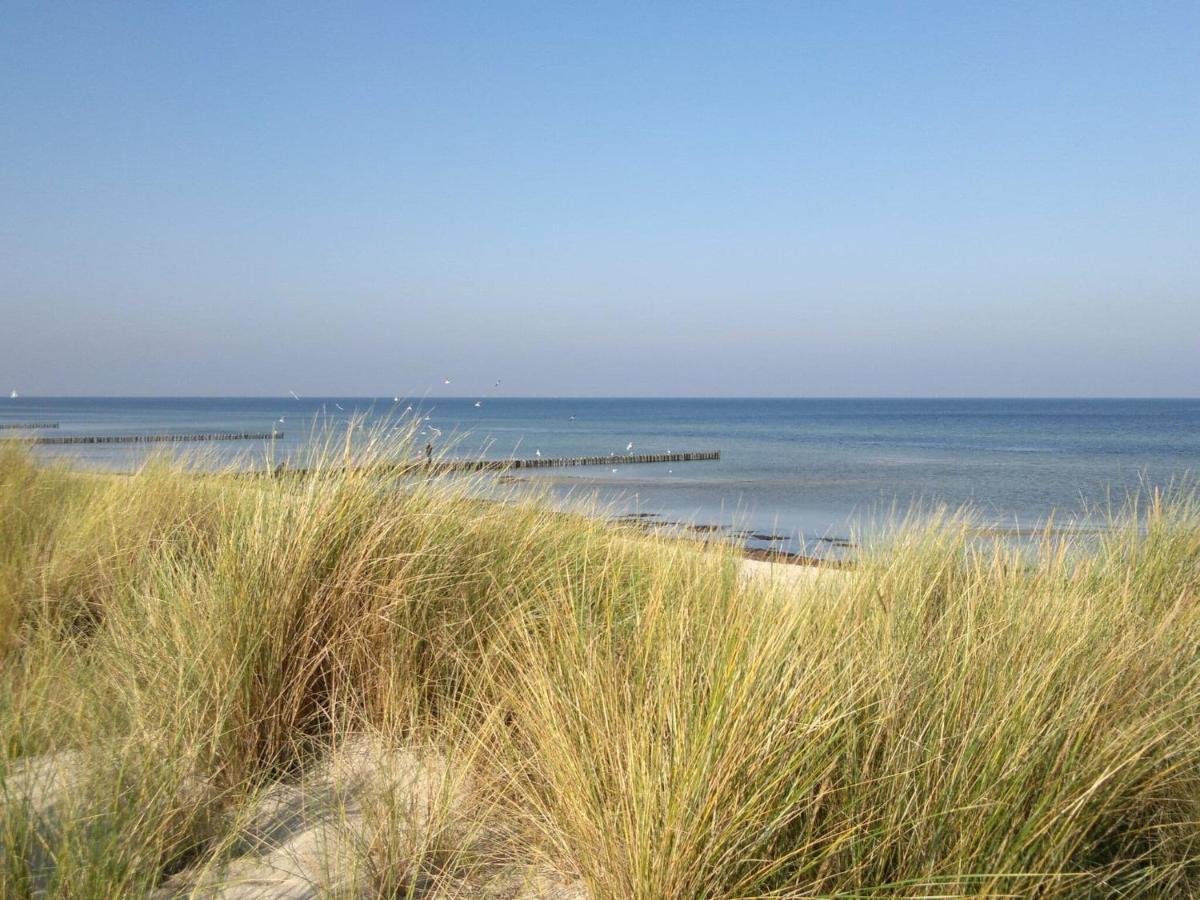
(438, 465)
(445, 466)
(475, 465)
(26, 426)
(156, 438)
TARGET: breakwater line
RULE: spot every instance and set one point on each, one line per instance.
(479, 465)
(446, 466)
(155, 438)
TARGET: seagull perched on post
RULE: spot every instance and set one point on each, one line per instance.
(629, 447)
(537, 453)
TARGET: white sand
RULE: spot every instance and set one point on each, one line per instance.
(788, 574)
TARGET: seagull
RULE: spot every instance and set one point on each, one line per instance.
(281, 418)
(395, 399)
(445, 381)
(479, 403)
(537, 453)
(339, 406)
(497, 382)
(572, 418)
(629, 447)
(295, 396)
(614, 470)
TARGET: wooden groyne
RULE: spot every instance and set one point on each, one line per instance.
(157, 438)
(480, 465)
(26, 426)
(446, 466)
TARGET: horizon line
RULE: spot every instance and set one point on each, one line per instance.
(473, 397)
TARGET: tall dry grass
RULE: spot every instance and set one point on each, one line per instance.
(618, 714)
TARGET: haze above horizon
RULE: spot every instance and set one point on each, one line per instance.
(608, 200)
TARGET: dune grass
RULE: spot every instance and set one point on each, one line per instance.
(574, 704)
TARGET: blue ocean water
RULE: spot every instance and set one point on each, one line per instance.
(802, 468)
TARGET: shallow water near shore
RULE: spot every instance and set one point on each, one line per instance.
(795, 474)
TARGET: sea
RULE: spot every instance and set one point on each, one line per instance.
(801, 475)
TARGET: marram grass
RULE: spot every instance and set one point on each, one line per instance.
(565, 700)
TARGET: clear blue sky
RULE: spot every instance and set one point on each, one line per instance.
(641, 199)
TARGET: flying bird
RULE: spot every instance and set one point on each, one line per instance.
(445, 381)
(629, 447)
(479, 403)
(295, 396)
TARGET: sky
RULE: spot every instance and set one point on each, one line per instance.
(642, 199)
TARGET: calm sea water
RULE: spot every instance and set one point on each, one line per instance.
(802, 468)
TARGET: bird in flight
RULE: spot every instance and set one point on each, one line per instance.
(295, 396)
